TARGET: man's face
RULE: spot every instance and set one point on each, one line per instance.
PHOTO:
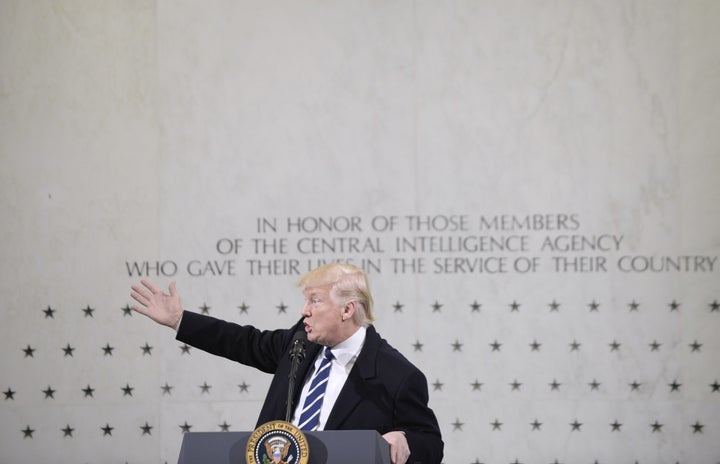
(323, 316)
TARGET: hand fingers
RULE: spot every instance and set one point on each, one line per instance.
(140, 310)
(141, 292)
(153, 289)
(173, 292)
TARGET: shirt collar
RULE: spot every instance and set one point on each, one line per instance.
(349, 349)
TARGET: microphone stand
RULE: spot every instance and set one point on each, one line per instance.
(297, 354)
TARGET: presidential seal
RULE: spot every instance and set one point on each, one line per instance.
(277, 442)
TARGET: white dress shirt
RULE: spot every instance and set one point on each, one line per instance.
(345, 354)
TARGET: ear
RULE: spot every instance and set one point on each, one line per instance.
(348, 311)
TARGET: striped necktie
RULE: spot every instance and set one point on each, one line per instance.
(310, 415)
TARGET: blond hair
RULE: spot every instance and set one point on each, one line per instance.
(347, 283)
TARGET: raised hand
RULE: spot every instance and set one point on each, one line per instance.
(161, 307)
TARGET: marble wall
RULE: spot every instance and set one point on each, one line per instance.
(531, 185)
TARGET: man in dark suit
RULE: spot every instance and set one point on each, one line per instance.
(366, 383)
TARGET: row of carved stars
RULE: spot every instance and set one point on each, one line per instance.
(398, 307)
(457, 426)
(515, 385)
(577, 426)
(127, 390)
(107, 429)
(457, 346)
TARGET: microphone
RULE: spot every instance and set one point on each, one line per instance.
(297, 354)
(298, 346)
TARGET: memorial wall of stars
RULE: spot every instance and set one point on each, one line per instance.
(531, 187)
(533, 380)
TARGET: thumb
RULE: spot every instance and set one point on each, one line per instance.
(173, 292)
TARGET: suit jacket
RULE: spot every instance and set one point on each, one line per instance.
(383, 392)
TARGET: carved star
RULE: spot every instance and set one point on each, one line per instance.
(243, 308)
(476, 386)
(695, 346)
(535, 346)
(635, 385)
(244, 387)
(615, 426)
(127, 310)
(185, 349)
(166, 389)
(514, 306)
(575, 346)
(27, 432)
(127, 390)
(398, 307)
(654, 346)
(515, 385)
(29, 351)
(593, 306)
(594, 385)
(49, 392)
(656, 427)
(68, 350)
(146, 429)
(555, 385)
(614, 346)
(475, 307)
(674, 306)
(437, 386)
(67, 431)
(536, 424)
(554, 306)
(185, 427)
(436, 307)
(714, 306)
(495, 345)
(575, 425)
(457, 346)
(633, 306)
(496, 425)
(457, 425)
(282, 308)
(224, 427)
(204, 309)
(49, 312)
(205, 388)
(146, 349)
(674, 386)
(107, 430)
(88, 391)
(715, 386)
(107, 350)
(88, 311)
(9, 394)
(697, 427)
(417, 345)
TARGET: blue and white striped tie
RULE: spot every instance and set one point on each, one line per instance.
(310, 415)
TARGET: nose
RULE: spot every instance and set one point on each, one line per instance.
(306, 309)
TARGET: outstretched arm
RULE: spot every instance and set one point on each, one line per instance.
(161, 307)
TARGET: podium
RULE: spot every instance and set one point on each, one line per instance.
(326, 447)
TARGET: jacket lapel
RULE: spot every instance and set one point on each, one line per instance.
(354, 389)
